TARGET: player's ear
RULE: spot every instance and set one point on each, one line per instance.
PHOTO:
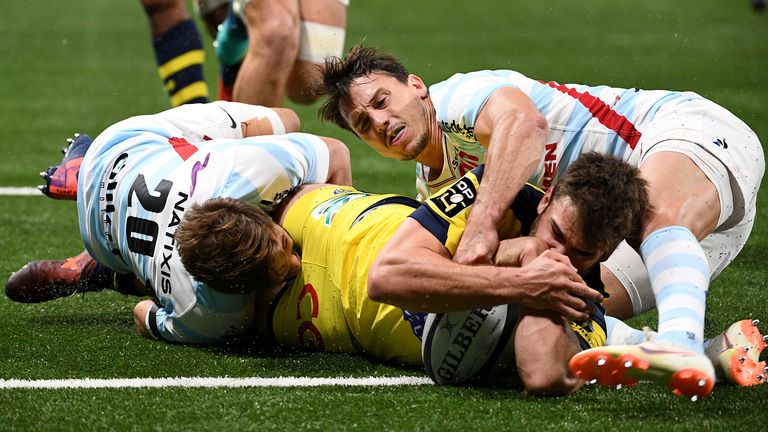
(418, 84)
(544, 202)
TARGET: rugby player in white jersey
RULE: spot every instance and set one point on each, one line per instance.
(703, 166)
(135, 181)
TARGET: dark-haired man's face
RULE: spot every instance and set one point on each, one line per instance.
(389, 115)
(556, 227)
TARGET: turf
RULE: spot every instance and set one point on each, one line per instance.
(82, 65)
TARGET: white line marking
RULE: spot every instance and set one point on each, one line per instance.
(20, 191)
(212, 382)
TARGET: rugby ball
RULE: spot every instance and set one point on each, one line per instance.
(473, 347)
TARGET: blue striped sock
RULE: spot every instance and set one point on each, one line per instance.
(679, 273)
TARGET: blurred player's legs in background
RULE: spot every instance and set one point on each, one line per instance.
(178, 51)
(213, 13)
(286, 41)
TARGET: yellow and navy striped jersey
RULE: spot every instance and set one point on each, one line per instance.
(445, 215)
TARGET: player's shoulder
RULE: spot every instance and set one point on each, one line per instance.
(480, 77)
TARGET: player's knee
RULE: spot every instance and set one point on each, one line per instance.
(277, 31)
(163, 15)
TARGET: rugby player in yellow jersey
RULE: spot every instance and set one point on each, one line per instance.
(330, 301)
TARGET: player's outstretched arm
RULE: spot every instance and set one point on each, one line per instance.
(414, 271)
(513, 131)
(258, 126)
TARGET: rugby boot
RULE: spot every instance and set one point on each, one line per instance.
(736, 354)
(684, 372)
(232, 37)
(40, 281)
(61, 180)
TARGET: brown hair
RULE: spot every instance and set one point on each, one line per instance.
(610, 199)
(338, 75)
(227, 244)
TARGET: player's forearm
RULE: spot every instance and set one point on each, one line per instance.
(287, 121)
(514, 150)
(436, 284)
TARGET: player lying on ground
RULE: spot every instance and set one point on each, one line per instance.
(340, 231)
(702, 164)
(133, 185)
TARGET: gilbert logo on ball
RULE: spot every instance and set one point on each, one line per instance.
(466, 347)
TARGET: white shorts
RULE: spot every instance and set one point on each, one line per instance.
(730, 155)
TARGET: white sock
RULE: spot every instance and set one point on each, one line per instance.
(619, 333)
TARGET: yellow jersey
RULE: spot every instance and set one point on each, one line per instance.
(339, 232)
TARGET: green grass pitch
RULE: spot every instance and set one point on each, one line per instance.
(82, 65)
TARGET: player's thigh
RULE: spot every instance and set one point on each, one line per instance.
(328, 12)
(680, 194)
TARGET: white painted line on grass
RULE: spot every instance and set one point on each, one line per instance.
(212, 382)
(20, 191)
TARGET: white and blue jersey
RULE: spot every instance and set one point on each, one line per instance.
(581, 119)
(630, 124)
(140, 176)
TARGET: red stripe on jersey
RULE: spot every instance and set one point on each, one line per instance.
(182, 147)
(603, 113)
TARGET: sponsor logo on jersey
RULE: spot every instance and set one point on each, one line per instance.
(169, 245)
(308, 333)
(456, 198)
(108, 201)
(550, 165)
(466, 132)
(465, 162)
(720, 142)
(328, 210)
(279, 197)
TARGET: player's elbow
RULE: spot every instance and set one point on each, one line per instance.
(538, 122)
(550, 382)
(290, 119)
(340, 170)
